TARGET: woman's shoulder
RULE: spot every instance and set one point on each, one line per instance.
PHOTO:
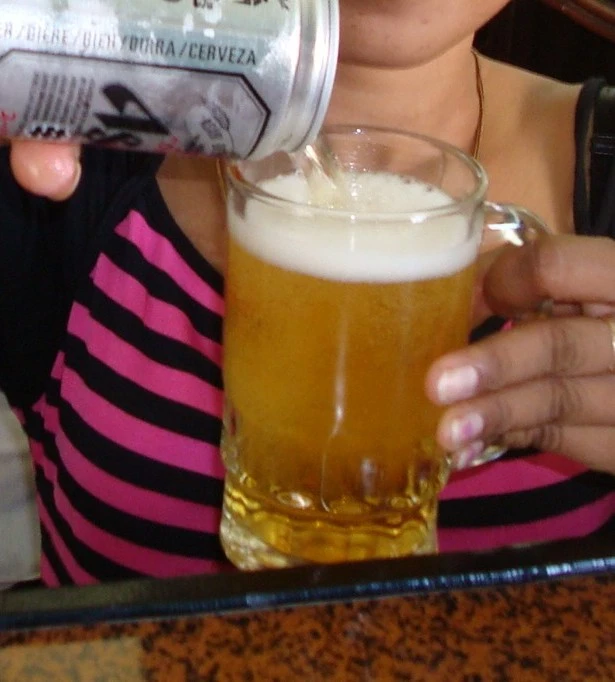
(529, 146)
(526, 93)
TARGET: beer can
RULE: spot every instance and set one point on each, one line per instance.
(236, 78)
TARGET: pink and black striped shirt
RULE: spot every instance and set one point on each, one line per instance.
(116, 319)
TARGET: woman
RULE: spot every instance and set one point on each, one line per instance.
(403, 64)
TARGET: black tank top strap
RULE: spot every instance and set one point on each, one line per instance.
(594, 203)
(602, 172)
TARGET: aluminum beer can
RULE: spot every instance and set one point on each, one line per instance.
(237, 78)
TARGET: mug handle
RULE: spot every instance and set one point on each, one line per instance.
(518, 226)
(512, 224)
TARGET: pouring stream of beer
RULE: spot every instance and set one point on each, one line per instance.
(324, 175)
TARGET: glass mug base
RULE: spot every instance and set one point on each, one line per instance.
(256, 538)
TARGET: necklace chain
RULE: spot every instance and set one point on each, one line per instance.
(480, 91)
(221, 178)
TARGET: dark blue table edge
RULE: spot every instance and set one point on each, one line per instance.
(316, 584)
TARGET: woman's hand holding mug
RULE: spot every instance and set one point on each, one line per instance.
(547, 383)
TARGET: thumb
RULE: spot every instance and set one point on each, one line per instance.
(567, 269)
(47, 169)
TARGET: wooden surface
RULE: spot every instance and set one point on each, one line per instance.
(562, 631)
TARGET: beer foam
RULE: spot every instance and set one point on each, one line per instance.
(358, 244)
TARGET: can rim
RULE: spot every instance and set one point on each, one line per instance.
(324, 87)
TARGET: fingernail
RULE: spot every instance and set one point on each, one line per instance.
(463, 459)
(67, 173)
(457, 384)
(466, 428)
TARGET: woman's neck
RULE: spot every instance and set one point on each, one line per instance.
(437, 98)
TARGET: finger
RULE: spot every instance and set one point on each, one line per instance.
(598, 309)
(563, 347)
(565, 268)
(585, 401)
(45, 169)
(592, 446)
(584, 309)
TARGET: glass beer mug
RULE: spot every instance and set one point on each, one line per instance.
(336, 305)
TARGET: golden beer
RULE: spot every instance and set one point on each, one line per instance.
(330, 328)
